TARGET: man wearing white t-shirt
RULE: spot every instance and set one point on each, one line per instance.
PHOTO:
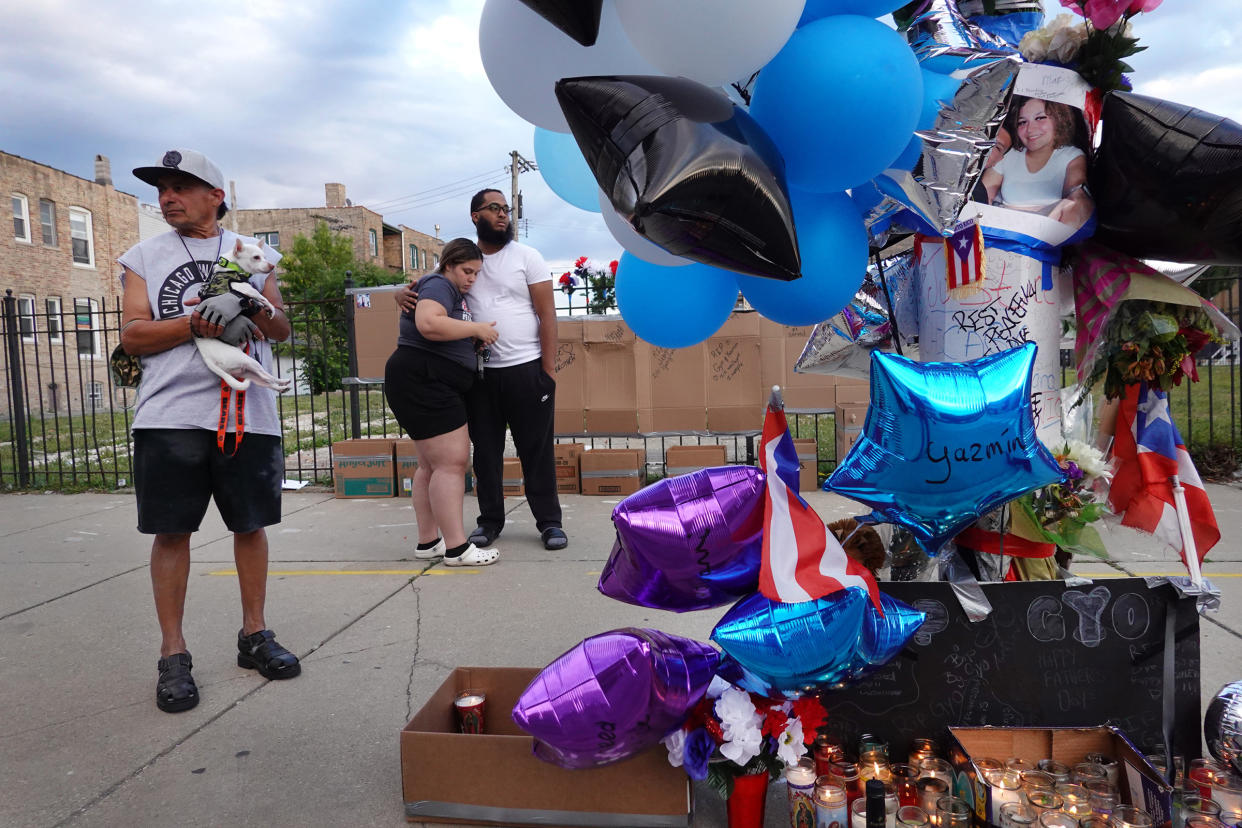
(517, 389)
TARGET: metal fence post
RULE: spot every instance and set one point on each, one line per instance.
(351, 343)
(13, 337)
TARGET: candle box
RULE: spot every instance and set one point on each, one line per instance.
(686, 459)
(494, 779)
(1139, 783)
(511, 481)
(566, 457)
(363, 468)
(611, 471)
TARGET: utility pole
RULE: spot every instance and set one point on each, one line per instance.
(518, 165)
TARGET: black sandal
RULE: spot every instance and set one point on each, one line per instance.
(259, 651)
(176, 690)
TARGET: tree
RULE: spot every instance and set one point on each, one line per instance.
(313, 276)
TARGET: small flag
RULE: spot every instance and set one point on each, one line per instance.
(1149, 451)
(963, 257)
(801, 560)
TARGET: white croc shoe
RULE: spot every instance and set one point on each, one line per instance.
(474, 556)
(434, 552)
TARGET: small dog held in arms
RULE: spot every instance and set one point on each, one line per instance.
(232, 273)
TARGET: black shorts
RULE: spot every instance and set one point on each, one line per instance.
(426, 392)
(177, 471)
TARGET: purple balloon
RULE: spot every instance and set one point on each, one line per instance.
(613, 696)
(689, 542)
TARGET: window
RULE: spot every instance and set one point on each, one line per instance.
(435, 259)
(271, 238)
(374, 243)
(413, 257)
(55, 334)
(85, 319)
(94, 393)
(25, 317)
(21, 218)
(83, 240)
(47, 218)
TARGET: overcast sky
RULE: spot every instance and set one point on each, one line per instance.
(387, 97)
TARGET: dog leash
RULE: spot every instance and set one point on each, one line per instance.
(226, 393)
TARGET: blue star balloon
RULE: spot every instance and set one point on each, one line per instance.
(883, 636)
(945, 442)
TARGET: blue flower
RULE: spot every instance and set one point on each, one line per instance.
(699, 748)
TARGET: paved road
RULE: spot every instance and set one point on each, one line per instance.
(81, 742)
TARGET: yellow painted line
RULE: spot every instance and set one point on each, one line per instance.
(357, 572)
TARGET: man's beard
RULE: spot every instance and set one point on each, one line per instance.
(490, 235)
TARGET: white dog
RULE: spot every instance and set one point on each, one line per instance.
(227, 361)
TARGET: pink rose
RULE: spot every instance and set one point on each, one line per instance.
(1104, 13)
(1073, 5)
(1139, 6)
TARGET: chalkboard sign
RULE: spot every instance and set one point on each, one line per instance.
(1048, 656)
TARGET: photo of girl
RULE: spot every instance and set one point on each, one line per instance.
(1045, 168)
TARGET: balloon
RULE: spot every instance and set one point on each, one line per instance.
(687, 168)
(840, 100)
(613, 696)
(842, 346)
(710, 41)
(883, 636)
(945, 41)
(565, 170)
(938, 182)
(628, 237)
(945, 442)
(577, 18)
(815, 9)
(1167, 181)
(524, 55)
(791, 647)
(645, 298)
(1222, 725)
(689, 542)
(833, 243)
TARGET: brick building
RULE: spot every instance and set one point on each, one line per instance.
(399, 248)
(59, 261)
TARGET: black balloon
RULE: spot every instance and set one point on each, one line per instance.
(1167, 182)
(687, 168)
(577, 18)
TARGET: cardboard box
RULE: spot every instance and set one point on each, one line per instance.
(511, 482)
(780, 347)
(736, 395)
(612, 471)
(852, 391)
(512, 787)
(611, 405)
(808, 464)
(1139, 783)
(686, 459)
(363, 468)
(570, 377)
(406, 461)
(566, 457)
(671, 389)
(849, 421)
(376, 317)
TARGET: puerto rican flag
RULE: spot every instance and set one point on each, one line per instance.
(802, 560)
(1149, 451)
(963, 256)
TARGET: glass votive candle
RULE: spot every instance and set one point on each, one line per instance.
(1078, 810)
(827, 749)
(931, 789)
(1156, 760)
(1127, 816)
(988, 767)
(1019, 765)
(1037, 780)
(1227, 791)
(874, 765)
(1103, 798)
(1095, 822)
(1059, 771)
(937, 769)
(905, 779)
(911, 816)
(1018, 815)
(800, 779)
(1044, 800)
(830, 804)
(1204, 822)
(1202, 773)
(921, 748)
(1195, 805)
(869, 742)
(1057, 819)
(952, 812)
(1110, 765)
(845, 776)
(858, 812)
(1088, 772)
(1072, 793)
(1006, 787)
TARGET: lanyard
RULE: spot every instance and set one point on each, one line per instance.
(226, 393)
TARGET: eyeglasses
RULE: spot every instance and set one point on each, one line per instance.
(496, 207)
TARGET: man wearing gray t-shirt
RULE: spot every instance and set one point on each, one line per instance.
(194, 440)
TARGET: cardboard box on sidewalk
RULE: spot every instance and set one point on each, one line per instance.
(566, 457)
(736, 395)
(849, 421)
(672, 388)
(511, 481)
(781, 345)
(686, 459)
(612, 471)
(808, 464)
(406, 460)
(570, 377)
(611, 390)
(363, 468)
(493, 778)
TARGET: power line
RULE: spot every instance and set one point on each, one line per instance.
(429, 201)
(472, 180)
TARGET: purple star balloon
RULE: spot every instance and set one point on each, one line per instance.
(613, 696)
(689, 542)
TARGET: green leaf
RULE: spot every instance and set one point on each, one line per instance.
(719, 779)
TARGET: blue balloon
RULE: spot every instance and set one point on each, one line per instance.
(815, 9)
(945, 442)
(833, 244)
(883, 636)
(565, 170)
(938, 90)
(840, 100)
(674, 307)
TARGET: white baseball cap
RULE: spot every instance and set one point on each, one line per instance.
(188, 161)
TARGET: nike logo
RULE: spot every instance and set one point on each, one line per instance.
(544, 398)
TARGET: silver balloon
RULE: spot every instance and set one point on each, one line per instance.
(1222, 725)
(940, 34)
(954, 151)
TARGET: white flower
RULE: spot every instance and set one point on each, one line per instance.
(717, 687)
(1034, 45)
(741, 725)
(734, 708)
(790, 747)
(743, 746)
(1060, 40)
(676, 744)
(1066, 42)
(1088, 458)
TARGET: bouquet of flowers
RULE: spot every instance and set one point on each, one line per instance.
(732, 732)
(1062, 513)
(1096, 47)
(600, 282)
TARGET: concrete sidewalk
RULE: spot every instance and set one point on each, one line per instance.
(82, 743)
